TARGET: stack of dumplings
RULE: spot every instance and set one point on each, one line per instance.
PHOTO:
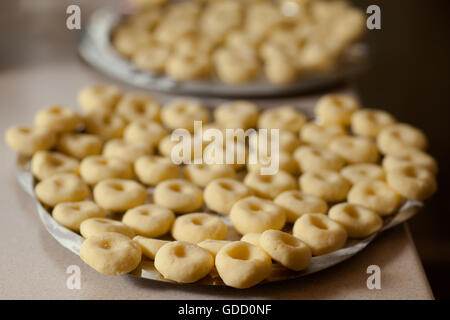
(237, 41)
(106, 172)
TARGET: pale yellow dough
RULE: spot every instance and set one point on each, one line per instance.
(149, 220)
(262, 17)
(99, 98)
(72, 214)
(355, 149)
(151, 57)
(148, 132)
(79, 145)
(234, 66)
(287, 142)
(196, 227)
(213, 246)
(120, 149)
(236, 114)
(111, 253)
(44, 164)
(175, 27)
(394, 138)
(358, 221)
(95, 226)
(61, 187)
(321, 136)
(362, 172)
(336, 109)
(316, 56)
(253, 214)
(229, 13)
(178, 195)
(138, 106)
(105, 125)
(221, 194)
(410, 156)
(269, 186)
(183, 262)
(119, 194)
(279, 68)
(166, 146)
(375, 195)
(286, 249)
(231, 152)
(194, 44)
(311, 158)
(188, 66)
(335, 157)
(369, 122)
(28, 140)
(202, 174)
(128, 40)
(296, 203)
(58, 119)
(181, 113)
(149, 246)
(152, 170)
(240, 38)
(412, 182)
(252, 238)
(284, 39)
(144, 18)
(320, 233)
(328, 185)
(94, 169)
(253, 263)
(283, 118)
(286, 162)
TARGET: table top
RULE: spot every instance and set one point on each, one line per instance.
(40, 67)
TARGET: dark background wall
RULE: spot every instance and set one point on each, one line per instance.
(409, 75)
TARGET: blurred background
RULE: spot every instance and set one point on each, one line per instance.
(409, 75)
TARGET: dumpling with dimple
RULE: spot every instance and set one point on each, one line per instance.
(183, 262)
(111, 253)
(197, 227)
(253, 214)
(320, 233)
(242, 265)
